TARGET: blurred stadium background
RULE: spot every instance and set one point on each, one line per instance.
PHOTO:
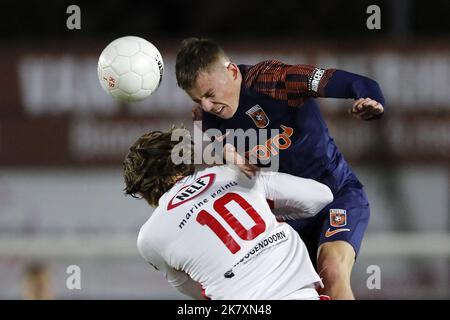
(62, 139)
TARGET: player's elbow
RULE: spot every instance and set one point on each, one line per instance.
(327, 196)
(323, 197)
(191, 289)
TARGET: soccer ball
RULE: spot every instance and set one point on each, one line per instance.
(130, 69)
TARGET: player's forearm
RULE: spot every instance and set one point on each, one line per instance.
(345, 84)
(307, 200)
(296, 197)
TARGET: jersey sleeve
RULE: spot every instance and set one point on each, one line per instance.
(349, 85)
(292, 83)
(294, 197)
(176, 278)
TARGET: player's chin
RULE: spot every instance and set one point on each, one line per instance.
(225, 113)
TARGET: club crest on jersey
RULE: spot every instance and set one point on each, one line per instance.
(338, 217)
(191, 191)
(258, 116)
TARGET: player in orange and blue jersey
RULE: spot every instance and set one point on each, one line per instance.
(275, 95)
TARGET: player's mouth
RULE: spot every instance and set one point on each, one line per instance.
(219, 111)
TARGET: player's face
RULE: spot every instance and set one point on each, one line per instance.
(217, 91)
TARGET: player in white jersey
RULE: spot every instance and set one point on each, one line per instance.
(213, 234)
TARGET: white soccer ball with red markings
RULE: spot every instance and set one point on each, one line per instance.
(130, 69)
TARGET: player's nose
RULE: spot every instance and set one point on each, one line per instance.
(206, 104)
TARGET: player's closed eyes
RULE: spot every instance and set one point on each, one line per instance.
(209, 94)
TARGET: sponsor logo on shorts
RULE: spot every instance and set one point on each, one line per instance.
(338, 217)
(330, 233)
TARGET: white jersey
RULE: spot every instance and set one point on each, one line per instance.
(215, 228)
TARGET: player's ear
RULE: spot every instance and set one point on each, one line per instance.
(234, 69)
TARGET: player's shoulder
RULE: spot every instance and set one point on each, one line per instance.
(220, 174)
(264, 71)
(225, 172)
(266, 66)
(219, 169)
(230, 173)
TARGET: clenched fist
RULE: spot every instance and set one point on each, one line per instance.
(366, 109)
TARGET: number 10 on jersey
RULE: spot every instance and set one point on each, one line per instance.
(205, 218)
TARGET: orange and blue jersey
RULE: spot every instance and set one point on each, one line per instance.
(279, 96)
(283, 96)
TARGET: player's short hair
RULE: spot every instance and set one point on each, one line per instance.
(148, 169)
(196, 55)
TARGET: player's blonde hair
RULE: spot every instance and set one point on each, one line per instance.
(195, 55)
(148, 169)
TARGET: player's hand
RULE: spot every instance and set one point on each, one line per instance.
(365, 109)
(232, 157)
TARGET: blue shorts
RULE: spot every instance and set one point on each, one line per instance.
(346, 218)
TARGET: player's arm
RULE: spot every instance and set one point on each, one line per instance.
(294, 197)
(295, 83)
(330, 83)
(367, 93)
(177, 279)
